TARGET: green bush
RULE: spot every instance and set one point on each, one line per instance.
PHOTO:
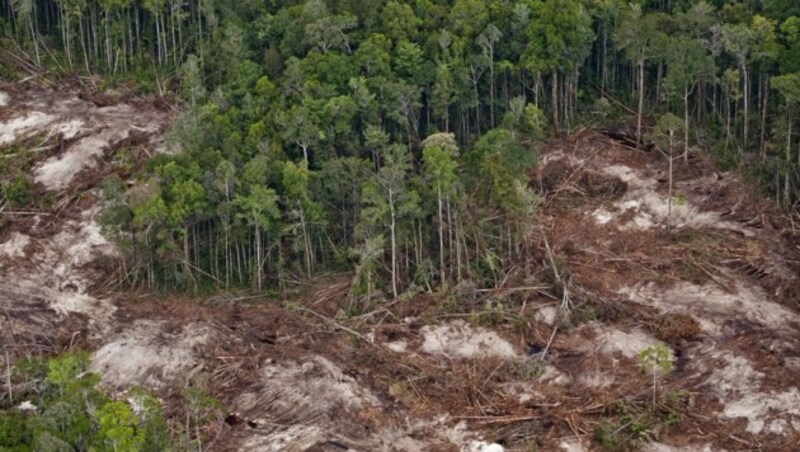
(72, 413)
(16, 190)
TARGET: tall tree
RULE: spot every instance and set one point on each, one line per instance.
(688, 62)
(666, 134)
(487, 41)
(387, 199)
(789, 87)
(637, 36)
(737, 40)
(440, 159)
(559, 39)
(302, 209)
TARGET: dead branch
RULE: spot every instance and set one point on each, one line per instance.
(22, 213)
(513, 289)
(616, 101)
(495, 420)
(549, 342)
(338, 325)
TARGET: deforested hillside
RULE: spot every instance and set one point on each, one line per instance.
(394, 225)
(554, 356)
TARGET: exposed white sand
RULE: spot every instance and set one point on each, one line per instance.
(458, 340)
(15, 245)
(147, 355)
(629, 344)
(738, 386)
(21, 126)
(646, 208)
(547, 315)
(397, 346)
(711, 306)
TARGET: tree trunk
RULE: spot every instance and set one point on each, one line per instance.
(394, 243)
(727, 119)
(554, 99)
(491, 86)
(477, 107)
(787, 190)
(259, 282)
(641, 104)
(441, 236)
(762, 141)
(686, 94)
(605, 55)
(186, 257)
(746, 96)
(306, 241)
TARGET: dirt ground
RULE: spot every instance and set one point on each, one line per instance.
(711, 277)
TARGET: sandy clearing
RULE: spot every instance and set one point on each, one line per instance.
(303, 392)
(651, 209)
(737, 384)
(459, 340)
(629, 344)
(15, 245)
(50, 114)
(295, 437)
(412, 435)
(397, 346)
(18, 127)
(56, 173)
(146, 354)
(573, 445)
(711, 306)
(773, 408)
(547, 315)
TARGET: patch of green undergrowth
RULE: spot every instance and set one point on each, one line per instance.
(58, 406)
(633, 422)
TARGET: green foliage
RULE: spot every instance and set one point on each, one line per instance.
(609, 438)
(16, 190)
(14, 431)
(656, 358)
(63, 370)
(635, 423)
(72, 413)
(559, 36)
(286, 152)
(118, 427)
(657, 361)
(668, 132)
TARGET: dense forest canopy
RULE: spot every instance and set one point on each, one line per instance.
(397, 138)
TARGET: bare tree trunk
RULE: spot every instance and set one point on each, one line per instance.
(641, 104)
(83, 46)
(306, 241)
(762, 142)
(686, 94)
(786, 188)
(554, 99)
(392, 226)
(491, 86)
(441, 236)
(259, 281)
(727, 119)
(605, 57)
(746, 97)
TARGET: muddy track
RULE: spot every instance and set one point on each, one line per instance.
(713, 278)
